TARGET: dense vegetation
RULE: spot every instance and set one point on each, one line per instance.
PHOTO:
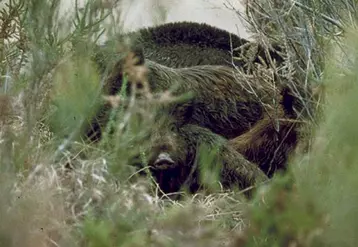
(57, 190)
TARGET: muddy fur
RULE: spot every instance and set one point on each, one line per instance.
(185, 44)
(173, 159)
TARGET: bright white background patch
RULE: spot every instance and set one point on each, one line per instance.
(143, 13)
(218, 13)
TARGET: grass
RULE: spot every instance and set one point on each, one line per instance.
(57, 190)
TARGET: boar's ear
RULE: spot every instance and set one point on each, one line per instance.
(139, 54)
(174, 127)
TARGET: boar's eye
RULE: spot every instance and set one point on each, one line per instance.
(139, 85)
(173, 127)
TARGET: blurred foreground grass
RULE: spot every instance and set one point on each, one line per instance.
(47, 77)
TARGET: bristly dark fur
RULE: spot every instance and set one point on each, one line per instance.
(223, 100)
(185, 44)
(231, 105)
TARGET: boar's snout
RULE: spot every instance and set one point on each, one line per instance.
(163, 161)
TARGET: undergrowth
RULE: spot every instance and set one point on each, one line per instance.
(58, 190)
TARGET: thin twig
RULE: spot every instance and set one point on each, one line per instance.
(325, 17)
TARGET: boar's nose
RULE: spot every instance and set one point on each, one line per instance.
(163, 161)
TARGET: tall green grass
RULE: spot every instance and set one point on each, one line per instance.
(57, 190)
